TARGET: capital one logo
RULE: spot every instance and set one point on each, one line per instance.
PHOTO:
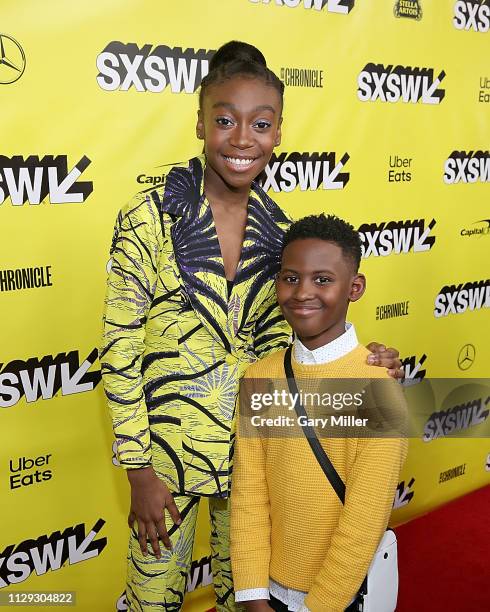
(34, 179)
(467, 167)
(472, 15)
(332, 6)
(395, 83)
(395, 237)
(43, 378)
(124, 66)
(308, 171)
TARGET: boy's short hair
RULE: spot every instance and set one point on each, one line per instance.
(329, 228)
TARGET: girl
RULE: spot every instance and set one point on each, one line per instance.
(190, 303)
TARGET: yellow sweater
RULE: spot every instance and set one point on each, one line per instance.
(288, 524)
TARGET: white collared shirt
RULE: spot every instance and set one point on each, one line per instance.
(336, 349)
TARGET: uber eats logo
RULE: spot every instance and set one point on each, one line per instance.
(457, 299)
(124, 65)
(308, 171)
(50, 553)
(43, 378)
(399, 83)
(467, 167)
(395, 237)
(472, 15)
(34, 179)
(332, 6)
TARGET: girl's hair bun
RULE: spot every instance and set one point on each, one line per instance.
(236, 50)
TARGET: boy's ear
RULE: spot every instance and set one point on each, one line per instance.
(200, 125)
(358, 286)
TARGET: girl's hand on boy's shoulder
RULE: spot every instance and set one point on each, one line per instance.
(385, 358)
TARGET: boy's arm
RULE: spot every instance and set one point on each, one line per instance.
(370, 489)
(271, 332)
(250, 509)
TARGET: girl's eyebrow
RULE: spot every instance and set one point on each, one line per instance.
(262, 107)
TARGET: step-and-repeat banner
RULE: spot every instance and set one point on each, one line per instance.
(386, 123)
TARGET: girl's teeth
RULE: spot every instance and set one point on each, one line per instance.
(240, 162)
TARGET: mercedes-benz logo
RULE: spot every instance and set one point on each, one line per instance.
(12, 60)
(466, 357)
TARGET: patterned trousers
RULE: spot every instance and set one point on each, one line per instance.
(159, 584)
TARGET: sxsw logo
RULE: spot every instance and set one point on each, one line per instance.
(456, 419)
(332, 6)
(404, 494)
(412, 368)
(33, 179)
(43, 378)
(308, 171)
(467, 167)
(472, 15)
(124, 65)
(395, 237)
(392, 84)
(457, 299)
(49, 553)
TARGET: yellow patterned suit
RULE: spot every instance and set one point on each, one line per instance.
(175, 346)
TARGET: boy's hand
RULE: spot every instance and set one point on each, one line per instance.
(257, 605)
(385, 358)
(149, 498)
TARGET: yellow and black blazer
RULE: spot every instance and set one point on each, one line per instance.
(175, 344)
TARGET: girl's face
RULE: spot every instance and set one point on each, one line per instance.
(240, 123)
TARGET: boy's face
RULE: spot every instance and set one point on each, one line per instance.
(314, 288)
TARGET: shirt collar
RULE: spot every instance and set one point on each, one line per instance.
(328, 352)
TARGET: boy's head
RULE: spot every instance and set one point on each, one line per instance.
(319, 277)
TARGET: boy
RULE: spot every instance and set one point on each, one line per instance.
(294, 546)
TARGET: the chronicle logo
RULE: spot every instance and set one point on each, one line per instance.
(308, 171)
(33, 179)
(412, 368)
(395, 237)
(454, 472)
(457, 299)
(390, 311)
(302, 77)
(395, 83)
(482, 229)
(467, 167)
(12, 60)
(408, 8)
(25, 278)
(332, 6)
(457, 418)
(404, 494)
(124, 65)
(472, 15)
(22, 474)
(43, 378)
(50, 553)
